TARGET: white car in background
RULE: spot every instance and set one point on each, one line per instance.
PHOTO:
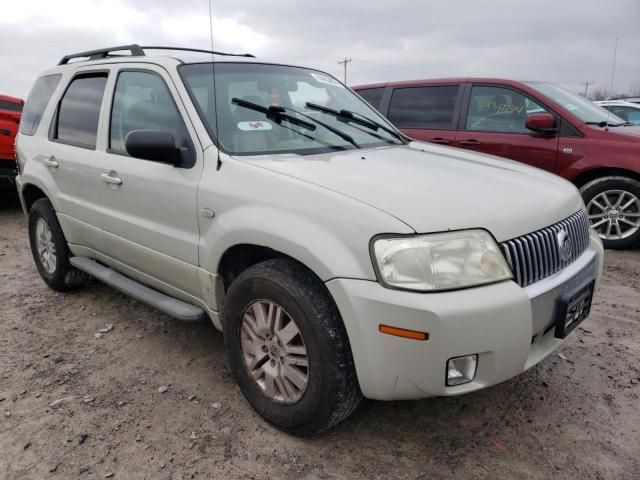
(628, 111)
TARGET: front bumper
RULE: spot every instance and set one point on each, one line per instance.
(506, 325)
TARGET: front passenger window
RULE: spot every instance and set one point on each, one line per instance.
(142, 101)
(497, 109)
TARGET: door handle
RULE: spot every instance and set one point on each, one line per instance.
(469, 142)
(51, 162)
(108, 178)
(440, 141)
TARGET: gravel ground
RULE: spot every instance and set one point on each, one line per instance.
(74, 404)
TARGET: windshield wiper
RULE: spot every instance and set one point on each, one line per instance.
(607, 123)
(355, 117)
(277, 113)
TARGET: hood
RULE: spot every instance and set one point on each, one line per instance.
(433, 188)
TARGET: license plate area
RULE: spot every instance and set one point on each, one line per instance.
(574, 307)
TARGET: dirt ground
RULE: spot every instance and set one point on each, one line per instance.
(76, 406)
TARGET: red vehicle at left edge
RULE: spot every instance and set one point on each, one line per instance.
(10, 112)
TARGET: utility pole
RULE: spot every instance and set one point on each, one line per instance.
(344, 62)
(613, 67)
(586, 88)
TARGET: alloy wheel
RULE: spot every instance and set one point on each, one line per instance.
(614, 214)
(274, 352)
(45, 246)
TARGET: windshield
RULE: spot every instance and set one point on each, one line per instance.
(580, 107)
(263, 109)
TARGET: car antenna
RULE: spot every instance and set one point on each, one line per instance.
(215, 92)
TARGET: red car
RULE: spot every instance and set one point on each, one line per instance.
(10, 112)
(532, 122)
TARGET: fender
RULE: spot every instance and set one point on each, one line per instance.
(324, 230)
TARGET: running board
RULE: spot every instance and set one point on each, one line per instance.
(166, 304)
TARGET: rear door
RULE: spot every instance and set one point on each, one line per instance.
(150, 222)
(426, 113)
(69, 158)
(493, 121)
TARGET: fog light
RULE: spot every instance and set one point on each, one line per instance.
(461, 369)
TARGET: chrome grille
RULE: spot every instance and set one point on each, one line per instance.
(537, 255)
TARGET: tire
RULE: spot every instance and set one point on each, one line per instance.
(597, 193)
(58, 274)
(332, 391)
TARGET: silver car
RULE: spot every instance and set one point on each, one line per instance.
(339, 258)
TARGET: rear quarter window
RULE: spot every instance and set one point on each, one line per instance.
(37, 102)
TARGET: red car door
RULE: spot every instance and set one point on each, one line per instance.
(426, 113)
(494, 122)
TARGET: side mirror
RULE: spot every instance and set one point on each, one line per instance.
(154, 145)
(541, 123)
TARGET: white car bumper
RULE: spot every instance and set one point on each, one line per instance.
(509, 327)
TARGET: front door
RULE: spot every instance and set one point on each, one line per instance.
(495, 123)
(151, 222)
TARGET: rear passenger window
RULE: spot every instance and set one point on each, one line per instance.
(142, 101)
(372, 95)
(79, 111)
(423, 107)
(37, 102)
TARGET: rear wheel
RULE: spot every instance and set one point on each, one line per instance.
(613, 207)
(49, 248)
(288, 348)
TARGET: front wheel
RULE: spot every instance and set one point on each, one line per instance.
(288, 348)
(613, 207)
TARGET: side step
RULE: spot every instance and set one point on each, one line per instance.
(166, 304)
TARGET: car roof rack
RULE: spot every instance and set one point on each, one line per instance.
(199, 50)
(138, 51)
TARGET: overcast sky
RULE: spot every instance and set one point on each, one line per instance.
(563, 41)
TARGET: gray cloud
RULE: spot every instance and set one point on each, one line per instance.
(566, 42)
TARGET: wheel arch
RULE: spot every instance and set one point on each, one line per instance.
(585, 177)
(29, 194)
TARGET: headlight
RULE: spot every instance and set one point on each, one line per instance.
(439, 261)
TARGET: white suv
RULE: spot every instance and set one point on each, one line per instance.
(339, 258)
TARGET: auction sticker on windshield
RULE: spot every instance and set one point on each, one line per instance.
(326, 79)
(252, 126)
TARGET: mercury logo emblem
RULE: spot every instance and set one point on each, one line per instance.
(565, 246)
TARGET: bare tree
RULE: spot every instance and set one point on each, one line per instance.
(599, 93)
(634, 91)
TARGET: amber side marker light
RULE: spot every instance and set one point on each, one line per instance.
(403, 332)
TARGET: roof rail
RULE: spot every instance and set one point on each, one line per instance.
(138, 51)
(135, 50)
(199, 50)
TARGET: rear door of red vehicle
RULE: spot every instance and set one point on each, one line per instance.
(493, 121)
(426, 112)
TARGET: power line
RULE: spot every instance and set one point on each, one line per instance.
(345, 62)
